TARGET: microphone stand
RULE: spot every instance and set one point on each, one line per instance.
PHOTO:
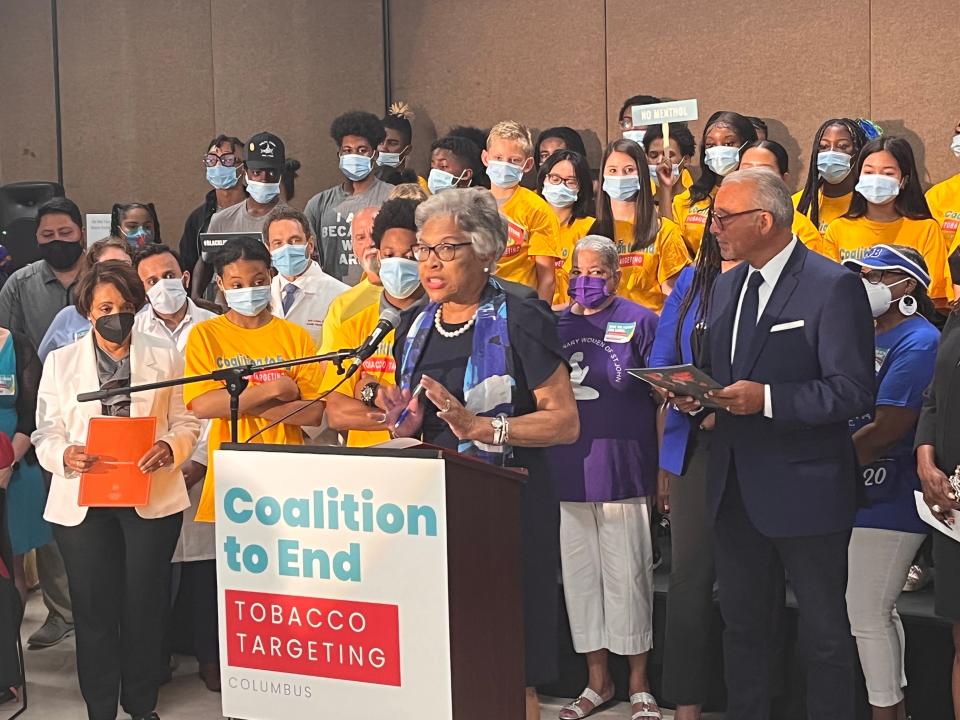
(235, 378)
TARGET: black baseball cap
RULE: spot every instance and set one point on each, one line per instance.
(265, 151)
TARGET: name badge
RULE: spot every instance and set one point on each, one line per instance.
(8, 385)
(619, 332)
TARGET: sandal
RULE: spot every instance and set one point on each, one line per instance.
(573, 711)
(648, 701)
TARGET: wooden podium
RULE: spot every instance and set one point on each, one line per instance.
(368, 582)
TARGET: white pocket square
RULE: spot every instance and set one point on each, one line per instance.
(787, 326)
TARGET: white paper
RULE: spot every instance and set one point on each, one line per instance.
(952, 532)
(97, 227)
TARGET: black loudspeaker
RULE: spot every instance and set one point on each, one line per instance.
(18, 217)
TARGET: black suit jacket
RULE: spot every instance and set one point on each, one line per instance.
(814, 346)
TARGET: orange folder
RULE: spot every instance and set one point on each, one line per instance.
(115, 480)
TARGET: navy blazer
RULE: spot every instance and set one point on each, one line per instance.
(797, 471)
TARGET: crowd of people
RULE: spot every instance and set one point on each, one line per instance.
(527, 284)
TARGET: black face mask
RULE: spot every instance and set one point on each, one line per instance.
(115, 328)
(61, 254)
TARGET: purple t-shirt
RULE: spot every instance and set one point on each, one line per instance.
(616, 455)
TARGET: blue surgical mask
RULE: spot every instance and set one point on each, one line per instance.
(386, 159)
(504, 174)
(722, 159)
(222, 178)
(560, 196)
(355, 167)
(439, 180)
(290, 260)
(878, 189)
(621, 187)
(249, 301)
(263, 193)
(400, 276)
(833, 166)
(635, 135)
(139, 237)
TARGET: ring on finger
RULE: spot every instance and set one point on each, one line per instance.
(446, 405)
(936, 508)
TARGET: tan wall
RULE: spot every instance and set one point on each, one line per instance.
(145, 84)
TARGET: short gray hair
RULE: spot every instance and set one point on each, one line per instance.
(602, 246)
(769, 191)
(475, 212)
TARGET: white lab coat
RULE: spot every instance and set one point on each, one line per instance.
(197, 539)
(309, 309)
(62, 422)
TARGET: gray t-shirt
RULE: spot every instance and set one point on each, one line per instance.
(330, 214)
(236, 219)
(31, 299)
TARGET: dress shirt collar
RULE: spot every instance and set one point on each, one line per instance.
(774, 268)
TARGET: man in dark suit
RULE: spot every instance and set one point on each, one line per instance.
(790, 337)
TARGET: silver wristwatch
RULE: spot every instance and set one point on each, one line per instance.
(501, 429)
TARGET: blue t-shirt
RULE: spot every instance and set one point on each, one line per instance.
(904, 359)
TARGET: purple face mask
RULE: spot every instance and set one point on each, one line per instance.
(589, 291)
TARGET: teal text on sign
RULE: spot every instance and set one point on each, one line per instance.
(667, 112)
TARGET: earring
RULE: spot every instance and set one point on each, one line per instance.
(486, 270)
(907, 305)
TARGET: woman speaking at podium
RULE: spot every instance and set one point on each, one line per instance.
(496, 385)
(117, 558)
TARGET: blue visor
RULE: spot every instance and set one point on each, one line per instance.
(884, 257)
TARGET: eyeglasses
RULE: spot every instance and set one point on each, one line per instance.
(227, 160)
(557, 179)
(445, 252)
(719, 220)
(626, 124)
(875, 277)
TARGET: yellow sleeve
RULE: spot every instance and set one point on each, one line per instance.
(674, 255)
(332, 338)
(543, 233)
(681, 207)
(200, 359)
(811, 237)
(309, 376)
(934, 253)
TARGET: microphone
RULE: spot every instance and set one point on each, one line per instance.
(389, 319)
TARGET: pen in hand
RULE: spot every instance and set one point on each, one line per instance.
(405, 413)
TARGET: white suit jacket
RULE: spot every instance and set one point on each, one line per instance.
(62, 421)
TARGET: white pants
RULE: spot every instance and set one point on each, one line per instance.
(879, 561)
(608, 575)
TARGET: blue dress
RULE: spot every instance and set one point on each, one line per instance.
(26, 493)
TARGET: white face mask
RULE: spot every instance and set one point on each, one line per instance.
(721, 159)
(878, 189)
(167, 296)
(653, 171)
(955, 145)
(880, 296)
(635, 135)
(833, 166)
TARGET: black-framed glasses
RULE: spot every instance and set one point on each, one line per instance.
(875, 277)
(445, 252)
(554, 179)
(719, 219)
(227, 160)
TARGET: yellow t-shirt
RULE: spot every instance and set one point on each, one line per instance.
(804, 229)
(423, 183)
(692, 219)
(853, 236)
(830, 208)
(570, 235)
(644, 271)
(532, 231)
(944, 201)
(351, 332)
(218, 343)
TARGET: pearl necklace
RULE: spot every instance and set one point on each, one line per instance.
(437, 323)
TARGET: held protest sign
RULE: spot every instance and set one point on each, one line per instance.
(667, 112)
(332, 575)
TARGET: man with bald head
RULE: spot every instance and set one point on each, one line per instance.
(790, 337)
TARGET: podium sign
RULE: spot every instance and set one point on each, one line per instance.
(333, 586)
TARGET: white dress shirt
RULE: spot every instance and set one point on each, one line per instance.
(771, 273)
(315, 291)
(197, 540)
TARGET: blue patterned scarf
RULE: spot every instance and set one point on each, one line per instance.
(488, 384)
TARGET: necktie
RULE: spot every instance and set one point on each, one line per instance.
(749, 312)
(289, 295)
